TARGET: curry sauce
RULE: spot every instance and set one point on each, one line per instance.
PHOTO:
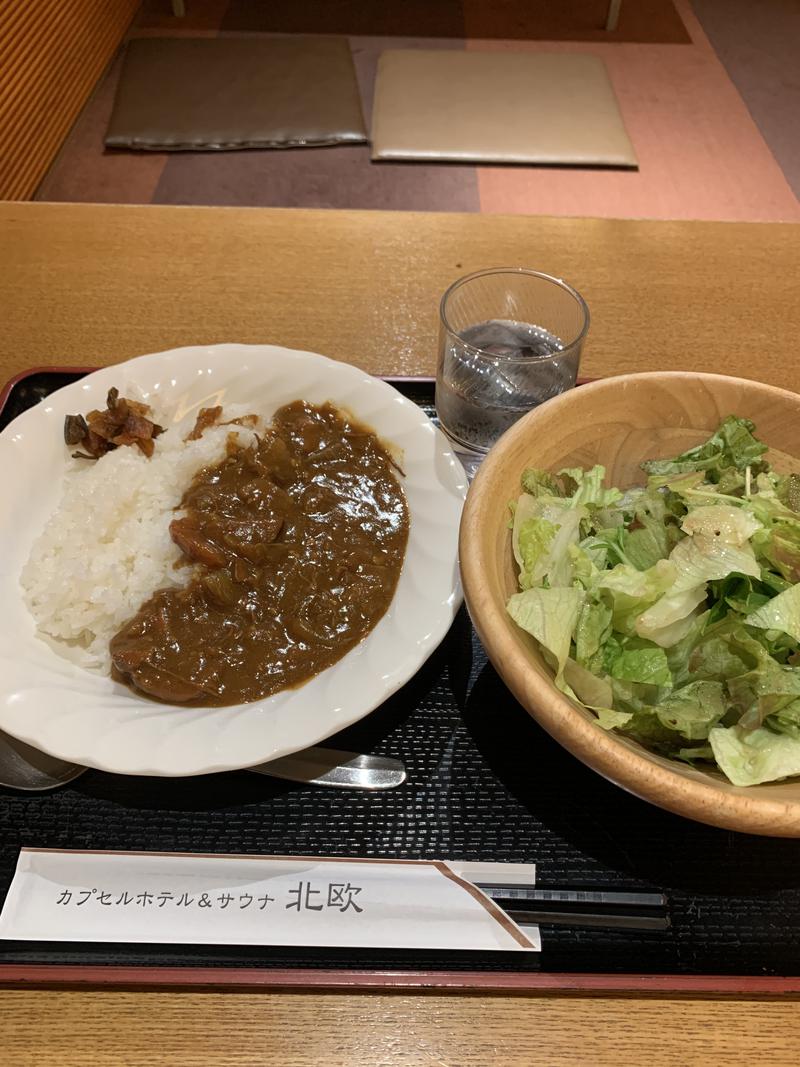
(297, 543)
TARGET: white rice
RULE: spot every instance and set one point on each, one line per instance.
(107, 548)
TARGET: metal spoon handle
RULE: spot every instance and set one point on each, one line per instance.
(328, 766)
(25, 768)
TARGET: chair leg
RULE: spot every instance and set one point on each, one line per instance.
(178, 8)
(612, 18)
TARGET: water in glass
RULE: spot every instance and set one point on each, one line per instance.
(479, 397)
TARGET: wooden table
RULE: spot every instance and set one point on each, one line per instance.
(90, 285)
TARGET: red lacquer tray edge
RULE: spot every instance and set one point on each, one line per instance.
(309, 979)
(5, 392)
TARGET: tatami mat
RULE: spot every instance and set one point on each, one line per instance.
(701, 154)
(315, 177)
(707, 144)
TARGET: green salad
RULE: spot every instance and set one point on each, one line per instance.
(672, 610)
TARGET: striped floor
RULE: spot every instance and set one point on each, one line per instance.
(710, 101)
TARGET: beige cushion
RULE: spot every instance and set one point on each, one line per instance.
(497, 107)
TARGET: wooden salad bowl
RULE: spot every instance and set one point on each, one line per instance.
(618, 422)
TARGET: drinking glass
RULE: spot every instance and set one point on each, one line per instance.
(509, 339)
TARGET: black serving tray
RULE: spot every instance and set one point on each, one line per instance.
(484, 783)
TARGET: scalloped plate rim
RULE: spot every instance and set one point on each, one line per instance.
(438, 471)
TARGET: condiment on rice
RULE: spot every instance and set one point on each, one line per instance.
(124, 422)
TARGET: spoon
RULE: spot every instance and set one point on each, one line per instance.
(28, 769)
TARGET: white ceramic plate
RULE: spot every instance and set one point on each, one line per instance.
(67, 711)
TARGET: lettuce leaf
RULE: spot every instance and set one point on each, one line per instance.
(535, 538)
(714, 659)
(547, 557)
(716, 546)
(672, 617)
(586, 565)
(767, 503)
(761, 692)
(693, 710)
(780, 613)
(754, 757)
(526, 507)
(645, 545)
(631, 592)
(741, 594)
(678, 486)
(592, 690)
(732, 445)
(607, 542)
(787, 720)
(549, 615)
(613, 720)
(632, 660)
(635, 696)
(587, 487)
(703, 558)
(540, 483)
(699, 752)
(788, 490)
(778, 544)
(646, 727)
(726, 650)
(779, 547)
(544, 548)
(679, 654)
(591, 633)
(731, 525)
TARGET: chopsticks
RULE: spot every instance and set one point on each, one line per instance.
(600, 908)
